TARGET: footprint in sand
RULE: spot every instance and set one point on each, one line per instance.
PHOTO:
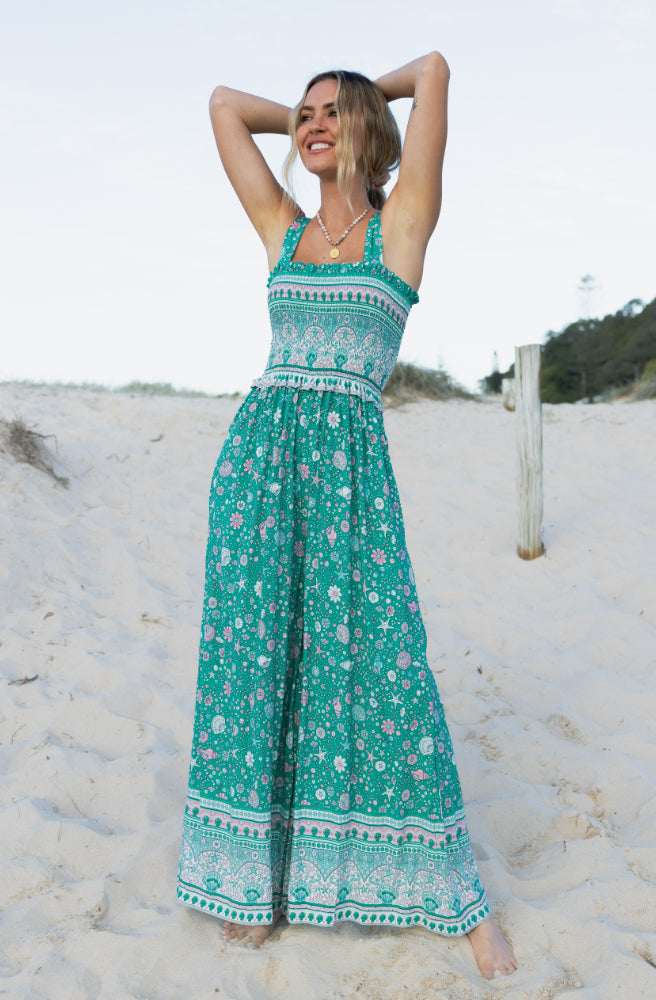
(489, 748)
(562, 726)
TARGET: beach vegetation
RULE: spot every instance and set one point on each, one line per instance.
(645, 388)
(409, 382)
(167, 389)
(593, 359)
(27, 444)
(135, 388)
(157, 389)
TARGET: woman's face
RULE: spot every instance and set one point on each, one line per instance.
(316, 135)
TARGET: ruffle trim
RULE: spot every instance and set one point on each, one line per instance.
(320, 381)
(356, 267)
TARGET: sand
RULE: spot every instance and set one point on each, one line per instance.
(546, 669)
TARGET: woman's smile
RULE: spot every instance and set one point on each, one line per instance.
(318, 127)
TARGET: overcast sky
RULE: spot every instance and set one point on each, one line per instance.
(126, 256)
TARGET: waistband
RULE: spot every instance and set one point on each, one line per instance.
(321, 380)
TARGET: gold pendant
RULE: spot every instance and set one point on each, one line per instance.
(334, 252)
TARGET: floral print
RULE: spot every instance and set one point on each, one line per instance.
(322, 778)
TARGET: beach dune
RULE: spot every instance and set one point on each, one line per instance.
(546, 670)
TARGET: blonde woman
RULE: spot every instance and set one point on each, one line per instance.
(322, 783)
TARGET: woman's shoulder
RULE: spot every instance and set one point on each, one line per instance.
(291, 222)
(290, 239)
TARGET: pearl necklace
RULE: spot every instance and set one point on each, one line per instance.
(335, 243)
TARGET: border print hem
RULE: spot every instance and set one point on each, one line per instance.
(226, 909)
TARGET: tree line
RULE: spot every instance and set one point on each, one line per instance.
(592, 357)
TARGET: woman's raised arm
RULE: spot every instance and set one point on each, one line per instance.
(412, 210)
(236, 118)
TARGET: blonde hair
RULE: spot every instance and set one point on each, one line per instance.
(356, 97)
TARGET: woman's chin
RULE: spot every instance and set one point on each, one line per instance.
(324, 171)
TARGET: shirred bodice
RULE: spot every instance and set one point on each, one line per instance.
(335, 326)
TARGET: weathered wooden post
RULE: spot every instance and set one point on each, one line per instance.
(508, 393)
(528, 422)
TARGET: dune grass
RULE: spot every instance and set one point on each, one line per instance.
(26, 444)
(409, 382)
(645, 389)
(134, 388)
(162, 389)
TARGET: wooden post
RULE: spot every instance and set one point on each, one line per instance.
(508, 393)
(528, 409)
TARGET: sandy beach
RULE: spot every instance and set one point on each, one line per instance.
(546, 669)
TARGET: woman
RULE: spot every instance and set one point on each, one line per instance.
(322, 783)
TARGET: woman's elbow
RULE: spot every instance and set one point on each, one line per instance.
(219, 97)
(436, 63)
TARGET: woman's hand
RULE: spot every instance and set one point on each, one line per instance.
(413, 207)
(236, 117)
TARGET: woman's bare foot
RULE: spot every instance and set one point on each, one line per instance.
(255, 935)
(491, 951)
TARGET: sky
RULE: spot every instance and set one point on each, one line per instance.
(126, 256)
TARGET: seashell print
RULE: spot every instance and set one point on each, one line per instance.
(302, 498)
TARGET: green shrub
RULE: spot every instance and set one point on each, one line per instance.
(649, 371)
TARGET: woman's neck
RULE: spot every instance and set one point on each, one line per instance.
(334, 208)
